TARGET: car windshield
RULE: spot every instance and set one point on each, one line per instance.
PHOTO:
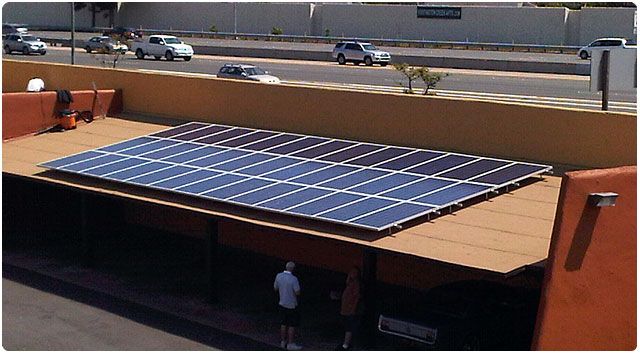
(173, 40)
(29, 38)
(251, 71)
(370, 47)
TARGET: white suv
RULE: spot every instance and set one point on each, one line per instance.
(602, 44)
(358, 52)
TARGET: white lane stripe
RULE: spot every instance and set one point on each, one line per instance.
(473, 93)
(477, 95)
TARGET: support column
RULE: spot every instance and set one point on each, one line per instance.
(604, 78)
(212, 269)
(369, 278)
(87, 243)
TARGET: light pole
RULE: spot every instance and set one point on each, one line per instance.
(235, 18)
(73, 33)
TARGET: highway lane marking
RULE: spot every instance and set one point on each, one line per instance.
(400, 89)
(363, 67)
(556, 101)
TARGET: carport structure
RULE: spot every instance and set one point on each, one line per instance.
(494, 239)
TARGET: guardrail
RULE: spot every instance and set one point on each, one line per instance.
(562, 49)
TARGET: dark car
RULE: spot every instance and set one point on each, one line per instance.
(123, 33)
(10, 28)
(465, 315)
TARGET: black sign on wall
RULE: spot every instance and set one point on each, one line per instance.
(446, 12)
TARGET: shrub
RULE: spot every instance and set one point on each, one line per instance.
(276, 31)
(429, 78)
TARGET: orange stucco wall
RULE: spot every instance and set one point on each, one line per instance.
(589, 299)
(557, 136)
(26, 113)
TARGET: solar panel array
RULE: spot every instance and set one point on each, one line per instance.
(364, 185)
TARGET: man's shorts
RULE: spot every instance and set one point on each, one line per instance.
(290, 317)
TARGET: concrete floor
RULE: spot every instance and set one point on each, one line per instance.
(167, 277)
(34, 319)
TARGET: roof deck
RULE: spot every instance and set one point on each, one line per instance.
(500, 235)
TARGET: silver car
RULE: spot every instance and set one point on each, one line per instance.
(246, 72)
(104, 44)
(24, 43)
(358, 52)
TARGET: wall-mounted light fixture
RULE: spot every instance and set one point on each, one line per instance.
(602, 199)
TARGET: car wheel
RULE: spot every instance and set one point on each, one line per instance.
(471, 343)
(368, 61)
(584, 55)
(139, 54)
(7, 50)
(341, 59)
(187, 58)
(88, 49)
(383, 64)
(25, 51)
(43, 52)
(168, 55)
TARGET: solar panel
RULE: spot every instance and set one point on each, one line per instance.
(364, 185)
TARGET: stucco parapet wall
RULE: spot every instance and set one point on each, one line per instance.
(591, 275)
(564, 136)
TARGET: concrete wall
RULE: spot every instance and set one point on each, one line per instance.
(598, 22)
(501, 23)
(589, 298)
(557, 136)
(251, 17)
(48, 14)
(173, 15)
(478, 24)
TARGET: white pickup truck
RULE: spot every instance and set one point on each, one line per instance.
(604, 44)
(160, 45)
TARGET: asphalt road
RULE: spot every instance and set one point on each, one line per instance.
(448, 53)
(33, 319)
(530, 84)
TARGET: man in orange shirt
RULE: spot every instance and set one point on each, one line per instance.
(350, 309)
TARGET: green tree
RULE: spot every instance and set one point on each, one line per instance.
(276, 31)
(429, 78)
(409, 73)
(109, 8)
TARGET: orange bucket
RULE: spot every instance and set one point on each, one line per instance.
(68, 119)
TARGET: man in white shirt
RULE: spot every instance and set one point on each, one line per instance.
(288, 287)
